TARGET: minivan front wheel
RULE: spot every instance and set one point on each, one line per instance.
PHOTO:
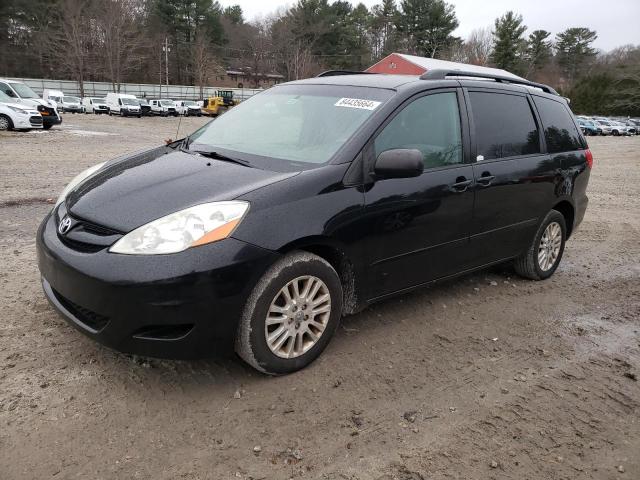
(291, 314)
(543, 256)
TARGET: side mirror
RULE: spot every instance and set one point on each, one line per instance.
(399, 163)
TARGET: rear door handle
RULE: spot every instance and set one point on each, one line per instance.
(485, 180)
(461, 184)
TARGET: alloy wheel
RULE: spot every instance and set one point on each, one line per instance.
(549, 248)
(297, 316)
(4, 123)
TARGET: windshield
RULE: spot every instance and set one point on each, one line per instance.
(142, 101)
(296, 123)
(72, 99)
(99, 100)
(167, 103)
(190, 103)
(129, 101)
(23, 91)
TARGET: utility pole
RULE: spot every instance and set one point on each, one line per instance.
(160, 84)
(166, 51)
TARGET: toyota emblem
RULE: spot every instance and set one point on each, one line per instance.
(64, 226)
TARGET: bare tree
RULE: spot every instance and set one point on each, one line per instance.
(294, 53)
(478, 46)
(204, 63)
(120, 37)
(259, 48)
(71, 38)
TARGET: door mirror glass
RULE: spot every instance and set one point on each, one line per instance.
(399, 163)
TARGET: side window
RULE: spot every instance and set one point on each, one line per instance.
(7, 90)
(504, 125)
(430, 124)
(560, 132)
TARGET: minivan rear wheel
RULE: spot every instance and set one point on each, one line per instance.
(543, 256)
(291, 314)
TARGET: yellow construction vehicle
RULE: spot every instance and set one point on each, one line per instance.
(218, 104)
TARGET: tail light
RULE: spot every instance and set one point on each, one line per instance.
(589, 157)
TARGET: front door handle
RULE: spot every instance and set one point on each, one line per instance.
(461, 184)
(486, 179)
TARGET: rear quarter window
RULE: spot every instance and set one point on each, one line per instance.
(560, 131)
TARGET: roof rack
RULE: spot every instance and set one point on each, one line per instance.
(443, 74)
(335, 73)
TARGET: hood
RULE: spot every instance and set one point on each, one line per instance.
(34, 102)
(21, 106)
(128, 193)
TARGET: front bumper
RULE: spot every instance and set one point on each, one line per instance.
(183, 305)
(50, 118)
(27, 122)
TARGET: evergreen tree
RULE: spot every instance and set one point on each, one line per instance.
(574, 50)
(427, 25)
(383, 28)
(539, 50)
(509, 43)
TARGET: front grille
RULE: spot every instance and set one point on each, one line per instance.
(84, 236)
(46, 110)
(81, 247)
(35, 120)
(92, 320)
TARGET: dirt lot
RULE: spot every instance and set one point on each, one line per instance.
(488, 376)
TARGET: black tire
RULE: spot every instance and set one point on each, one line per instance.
(6, 120)
(251, 342)
(527, 265)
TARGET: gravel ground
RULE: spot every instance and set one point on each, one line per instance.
(487, 376)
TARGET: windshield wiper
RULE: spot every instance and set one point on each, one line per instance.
(220, 156)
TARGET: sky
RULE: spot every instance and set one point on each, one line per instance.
(616, 21)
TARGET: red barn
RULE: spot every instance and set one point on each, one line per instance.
(402, 64)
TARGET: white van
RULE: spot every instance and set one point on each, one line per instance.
(16, 116)
(95, 105)
(23, 95)
(163, 107)
(123, 104)
(71, 104)
(53, 96)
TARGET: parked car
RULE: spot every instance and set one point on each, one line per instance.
(588, 127)
(15, 116)
(145, 108)
(95, 105)
(311, 200)
(54, 97)
(604, 126)
(188, 108)
(632, 128)
(23, 95)
(618, 128)
(123, 104)
(163, 107)
(71, 104)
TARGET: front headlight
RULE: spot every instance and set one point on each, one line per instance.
(21, 111)
(81, 177)
(187, 228)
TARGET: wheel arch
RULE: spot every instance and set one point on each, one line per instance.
(9, 119)
(335, 254)
(566, 208)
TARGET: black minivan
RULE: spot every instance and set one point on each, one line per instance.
(310, 201)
